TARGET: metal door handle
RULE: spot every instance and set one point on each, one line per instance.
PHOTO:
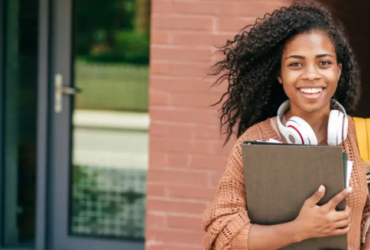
(60, 90)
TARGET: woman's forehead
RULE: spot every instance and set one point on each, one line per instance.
(316, 42)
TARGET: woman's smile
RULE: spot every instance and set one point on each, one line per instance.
(311, 93)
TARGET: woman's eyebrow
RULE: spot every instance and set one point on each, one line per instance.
(295, 56)
(324, 55)
(302, 57)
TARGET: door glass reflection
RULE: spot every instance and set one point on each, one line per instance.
(110, 119)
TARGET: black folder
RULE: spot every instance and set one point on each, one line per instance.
(280, 177)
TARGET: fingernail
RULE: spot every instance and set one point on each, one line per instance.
(321, 188)
(349, 190)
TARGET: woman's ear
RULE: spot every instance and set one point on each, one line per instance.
(339, 70)
(280, 80)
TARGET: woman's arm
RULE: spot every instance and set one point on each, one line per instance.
(273, 237)
(226, 221)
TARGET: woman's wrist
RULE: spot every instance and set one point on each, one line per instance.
(299, 233)
(262, 237)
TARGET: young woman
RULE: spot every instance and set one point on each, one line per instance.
(298, 56)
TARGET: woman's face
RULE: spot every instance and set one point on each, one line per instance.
(309, 71)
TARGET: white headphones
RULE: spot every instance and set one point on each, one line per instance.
(302, 133)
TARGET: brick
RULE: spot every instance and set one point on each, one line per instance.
(234, 24)
(154, 189)
(201, 38)
(193, 69)
(202, 7)
(181, 131)
(211, 131)
(188, 116)
(176, 206)
(208, 162)
(157, 159)
(157, 245)
(158, 129)
(180, 85)
(157, 144)
(181, 54)
(205, 100)
(149, 245)
(183, 247)
(191, 23)
(160, 37)
(184, 222)
(180, 69)
(158, 98)
(179, 160)
(184, 131)
(159, 68)
(201, 193)
(193, 146)
(183, 178)
(252, 9)
(175, 236)
(162, 6)
(155, 220)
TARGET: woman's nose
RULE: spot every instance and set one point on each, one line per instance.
(311, 74)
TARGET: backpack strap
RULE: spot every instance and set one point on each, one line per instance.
(362, 127)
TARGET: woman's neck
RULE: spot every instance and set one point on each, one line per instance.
(318, 120)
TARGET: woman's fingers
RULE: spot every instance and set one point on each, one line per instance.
(341, 231)
(342, 224)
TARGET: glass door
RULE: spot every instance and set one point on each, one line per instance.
(22, 86)
(100, 124)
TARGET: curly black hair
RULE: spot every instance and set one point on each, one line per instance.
(252, 64)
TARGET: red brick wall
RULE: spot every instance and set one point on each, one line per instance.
(186, 154)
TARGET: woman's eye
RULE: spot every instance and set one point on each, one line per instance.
(325, 63)
(295, 64)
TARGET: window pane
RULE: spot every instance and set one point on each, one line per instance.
(110, 119)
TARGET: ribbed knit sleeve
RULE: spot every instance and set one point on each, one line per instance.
(226, 220)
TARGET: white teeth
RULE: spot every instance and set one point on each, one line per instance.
(311, 90)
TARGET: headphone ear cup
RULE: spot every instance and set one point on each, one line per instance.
(292, 134)
(335, 128)
(303, 129)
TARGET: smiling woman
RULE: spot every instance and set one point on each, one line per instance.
(297, 63)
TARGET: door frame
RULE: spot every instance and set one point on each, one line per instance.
(42, 123)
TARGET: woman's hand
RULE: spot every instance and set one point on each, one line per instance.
(320, 221)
